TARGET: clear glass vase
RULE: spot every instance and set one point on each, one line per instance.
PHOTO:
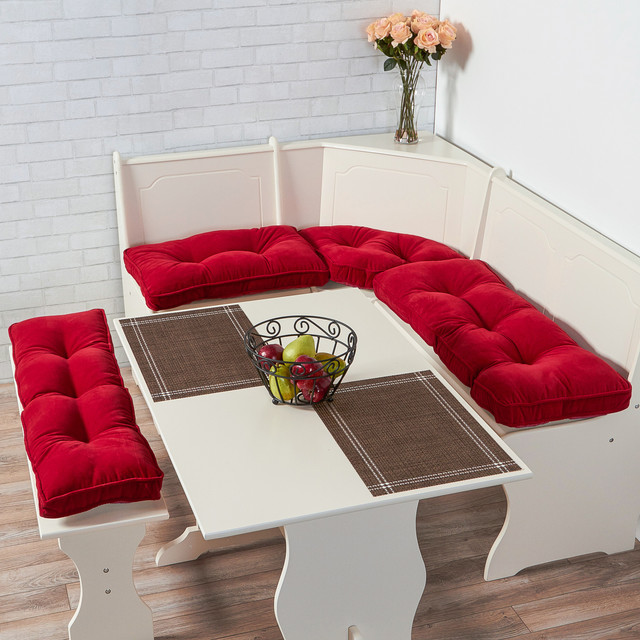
(409, 91)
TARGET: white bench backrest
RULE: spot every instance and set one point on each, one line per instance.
(586, 283)
(172, 196)
(406, 194)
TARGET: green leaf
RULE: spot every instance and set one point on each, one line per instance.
(390, 63)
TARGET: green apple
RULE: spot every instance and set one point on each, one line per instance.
(333, 365)
(303, 345)
(281, 388)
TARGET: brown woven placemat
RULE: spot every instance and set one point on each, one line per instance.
(409, 432)
(192, 353)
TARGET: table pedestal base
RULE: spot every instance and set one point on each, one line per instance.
(357, 575)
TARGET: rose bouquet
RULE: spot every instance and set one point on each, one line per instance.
(409, 42)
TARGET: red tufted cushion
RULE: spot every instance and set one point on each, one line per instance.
(519, 364)
(222, 264)
(355, 255)
(79, 425)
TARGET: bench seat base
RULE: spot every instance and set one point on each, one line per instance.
(582, 500)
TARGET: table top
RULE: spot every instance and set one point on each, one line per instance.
(246, 464)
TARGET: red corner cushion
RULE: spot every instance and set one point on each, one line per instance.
(520, 365)
(355, 255)
(79, 425)
(222, 264)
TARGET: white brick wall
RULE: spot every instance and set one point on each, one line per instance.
(79, 80)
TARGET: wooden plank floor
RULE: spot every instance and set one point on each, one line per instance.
(229, 595)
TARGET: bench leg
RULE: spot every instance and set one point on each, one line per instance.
(109, 603)
(584, 496)
(357, 575)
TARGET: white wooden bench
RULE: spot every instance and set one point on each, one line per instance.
(585, 493)
(102, 542)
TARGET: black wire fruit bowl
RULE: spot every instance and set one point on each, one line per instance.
(301, 360)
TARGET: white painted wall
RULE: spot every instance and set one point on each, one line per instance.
(550, 90)
(80, 79)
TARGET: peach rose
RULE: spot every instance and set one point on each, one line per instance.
(400, 33)
(423, 21)
(446, 34)
(371, 32)
(382, 28)
(394, 18)
(427, 39)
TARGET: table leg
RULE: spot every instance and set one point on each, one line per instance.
(190, 545)
(357, 575)
(109, 603)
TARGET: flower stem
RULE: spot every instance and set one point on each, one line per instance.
(407, 130)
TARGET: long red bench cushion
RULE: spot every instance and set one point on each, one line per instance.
(223, 264)
(355, 255)
(520, 365)
(79, 424)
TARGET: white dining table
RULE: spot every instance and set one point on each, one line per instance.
(353, 568)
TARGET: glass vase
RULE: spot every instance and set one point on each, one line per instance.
(409, 91)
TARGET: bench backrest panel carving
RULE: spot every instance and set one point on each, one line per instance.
(178, 195)
(587, 284)
(392, 192)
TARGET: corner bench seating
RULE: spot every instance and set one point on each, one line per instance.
(96, 480)
(515, 321)
(519, 364)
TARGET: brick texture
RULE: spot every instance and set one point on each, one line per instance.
(79, 80)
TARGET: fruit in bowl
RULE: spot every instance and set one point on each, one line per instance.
(280, 383)
(268, 353)
(305, 366)
(309, 375)
(271, 350)
(303, 345)
(333, 365)
(314, 388)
